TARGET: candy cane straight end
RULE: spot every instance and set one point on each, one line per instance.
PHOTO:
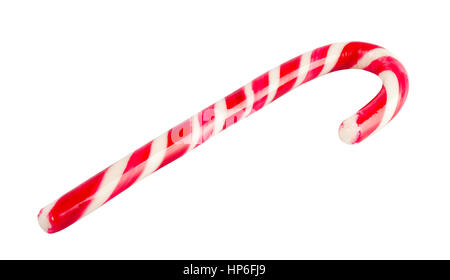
(250, 98)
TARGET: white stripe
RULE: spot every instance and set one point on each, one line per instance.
(274, 83)
(195, 126)
(220, 115)
(303, 69)
(249, 99)
(371, 56)
(108, 184)
(157, 153)
(391, 85)
(333, 54)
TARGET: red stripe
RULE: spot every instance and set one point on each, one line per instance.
(317, 63)
(259, 103)
(206, 118)
(286, 69)
(236, 102)
(370, 116)
(178, 142)
(290, 66)
(285, 88)
(237, 98)
(259, 85)
(351, 54)
(133, 170)
(71, 206)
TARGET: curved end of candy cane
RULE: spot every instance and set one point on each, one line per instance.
(350, 131)
(387, 103)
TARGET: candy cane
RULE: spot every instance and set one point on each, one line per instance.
(250, 98)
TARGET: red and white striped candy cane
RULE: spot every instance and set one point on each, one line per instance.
(250, 98)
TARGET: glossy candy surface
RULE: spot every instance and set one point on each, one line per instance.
(261, 91)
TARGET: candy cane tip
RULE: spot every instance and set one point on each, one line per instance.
(44, 222)
(44, 218)
(350, 131)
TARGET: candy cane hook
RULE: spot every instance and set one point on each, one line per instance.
(250, 98)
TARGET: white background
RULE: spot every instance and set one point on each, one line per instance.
(84, 83)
